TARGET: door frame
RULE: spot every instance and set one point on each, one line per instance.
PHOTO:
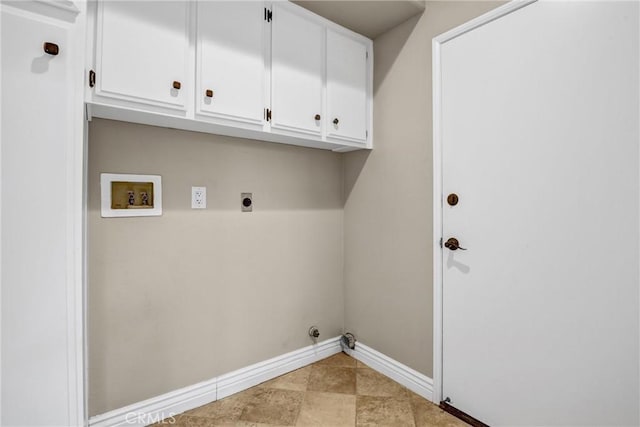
(438, 195)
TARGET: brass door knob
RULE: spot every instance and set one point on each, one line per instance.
(177, 85)
(317, 117)
(209, 93)
(453, 244)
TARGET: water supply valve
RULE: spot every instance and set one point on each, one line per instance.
(314, 332)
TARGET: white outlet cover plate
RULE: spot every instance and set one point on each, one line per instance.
(198, 197)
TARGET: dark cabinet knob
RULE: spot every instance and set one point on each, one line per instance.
(317, 117)
(336, 121)
(51, 48)
(209, 93)
(177, 85)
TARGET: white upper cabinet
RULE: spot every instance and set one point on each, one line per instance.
(347, 83)
(297, 70)
(265, 70)
(231, 61)
(142, 52)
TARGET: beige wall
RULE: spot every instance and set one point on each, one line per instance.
(388, 207)
(184, 297)
(181, 298)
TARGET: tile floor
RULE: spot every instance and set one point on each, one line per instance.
(337, 391)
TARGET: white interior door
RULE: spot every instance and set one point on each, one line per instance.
(539, 132)
(297, 70)
(231, 69)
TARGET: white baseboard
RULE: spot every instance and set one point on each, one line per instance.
(410, 378)
(244, 378)
(175, 402)
(160, 407)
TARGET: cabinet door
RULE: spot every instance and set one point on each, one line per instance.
(231, 68)
(39, 125)
(142, 49)
(297, 65)
(347, 83)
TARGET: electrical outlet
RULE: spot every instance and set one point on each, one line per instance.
(198, 197)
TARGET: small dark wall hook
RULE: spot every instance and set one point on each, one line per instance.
(51, 48)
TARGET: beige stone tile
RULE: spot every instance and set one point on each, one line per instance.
(327, 409)
(332, 379)
(383, 411)
(372, 383)
(296, 380)
(188, 421)
(342, 360)
(225, 410)
(426, 414)
(250, 424)
(359, 364)
(273, 406)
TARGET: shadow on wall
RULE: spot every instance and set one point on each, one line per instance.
(353, 165)
(355, 160)
(281, 177)
(384, 63)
